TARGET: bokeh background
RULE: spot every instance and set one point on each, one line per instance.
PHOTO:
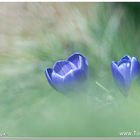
(35, 35)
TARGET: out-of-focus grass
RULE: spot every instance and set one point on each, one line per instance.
(33, 37)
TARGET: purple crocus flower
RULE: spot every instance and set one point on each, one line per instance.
(125, 70)
(68, 75)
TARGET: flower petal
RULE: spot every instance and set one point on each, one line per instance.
(63, 67)
(58, 81)
(135, 68)
(126, 58)
(79, 61)
(74, 79)
(118, 78)
(48, 73)
(75, 76)
(124, 69)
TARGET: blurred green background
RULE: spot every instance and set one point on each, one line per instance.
(35, 35)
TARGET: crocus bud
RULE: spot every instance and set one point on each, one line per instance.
(125, 71)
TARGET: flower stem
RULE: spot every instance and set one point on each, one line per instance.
(101, 86)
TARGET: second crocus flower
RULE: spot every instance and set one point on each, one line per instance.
(125, 70)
